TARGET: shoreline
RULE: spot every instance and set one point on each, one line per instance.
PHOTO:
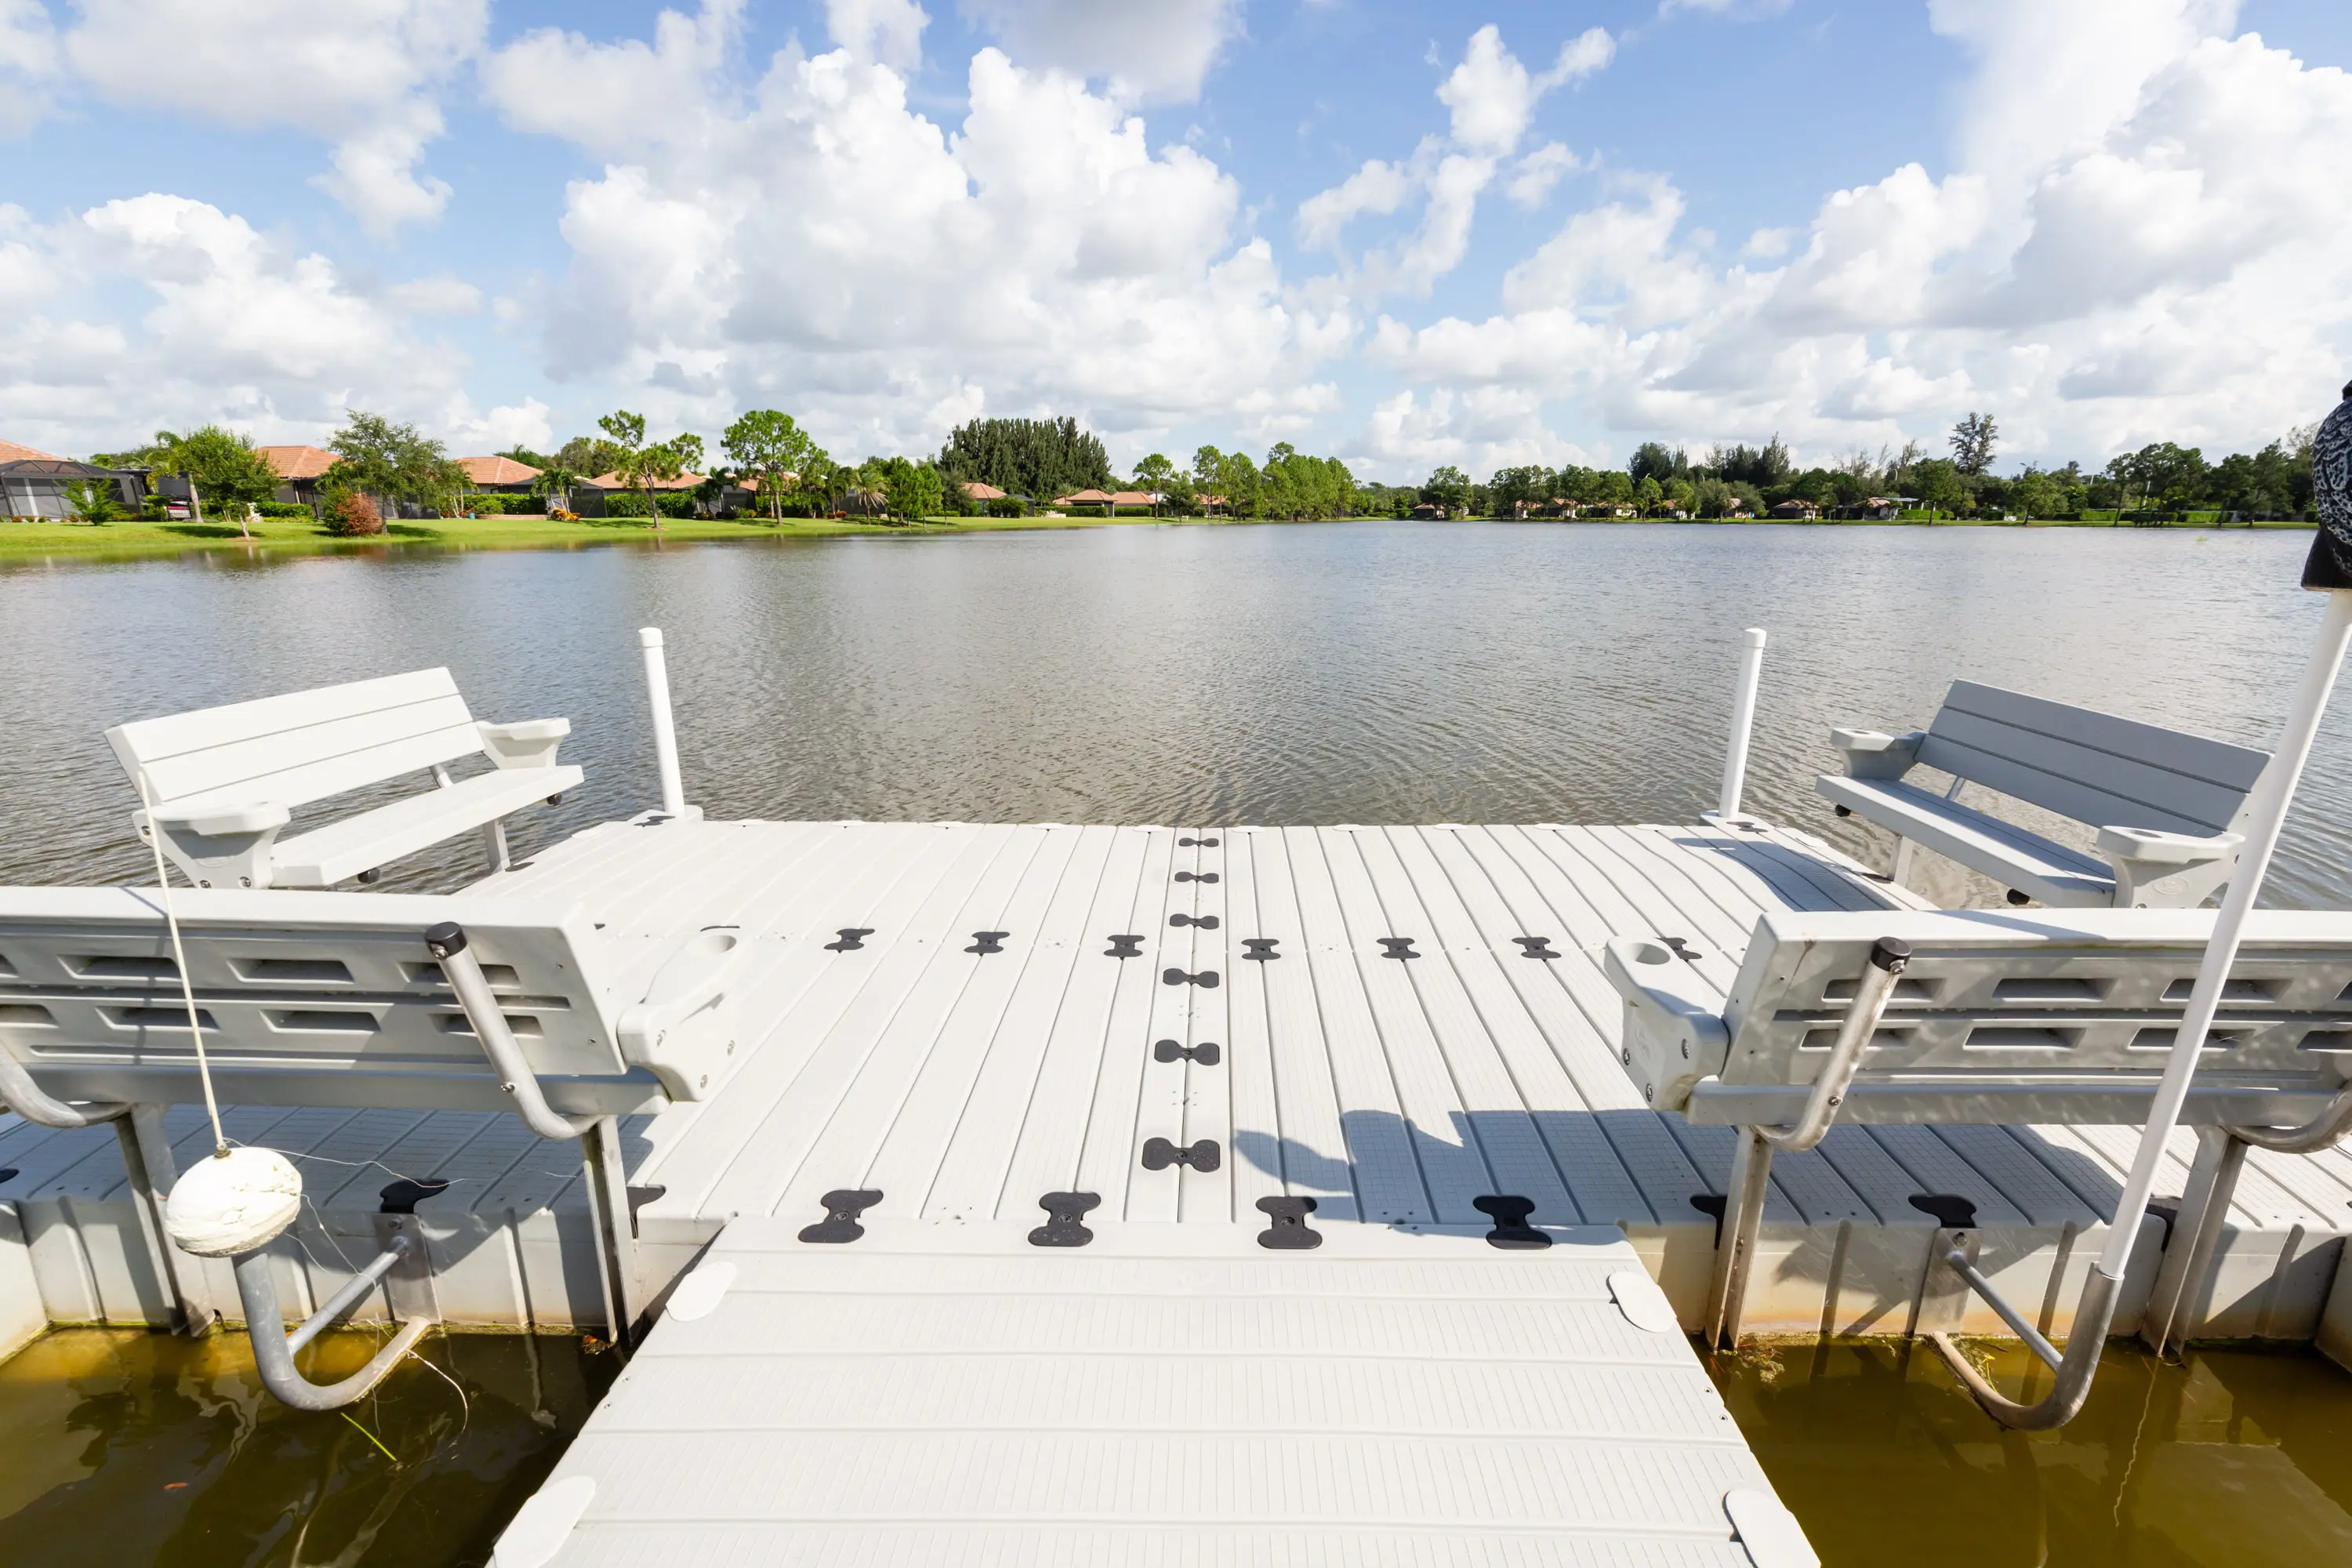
(30, 542)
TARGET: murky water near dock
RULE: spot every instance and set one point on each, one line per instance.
(122, 1447)
(1366, 673)
(2230, 1459)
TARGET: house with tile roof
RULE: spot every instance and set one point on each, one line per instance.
(500, 475)
(298, 468)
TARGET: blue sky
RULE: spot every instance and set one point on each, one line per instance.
(1406, 235)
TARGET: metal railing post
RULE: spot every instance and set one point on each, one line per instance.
(1752, 1164)
(1743, 719)
(446, 943)
(665, 728)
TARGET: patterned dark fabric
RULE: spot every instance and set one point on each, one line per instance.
(2330, 565)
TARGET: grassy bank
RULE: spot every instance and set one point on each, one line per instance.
(22, 540)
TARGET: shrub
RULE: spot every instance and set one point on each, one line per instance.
(353, 516)
(283, 508)
(1007, 506)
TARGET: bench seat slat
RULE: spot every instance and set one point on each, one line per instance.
(357, 754)
(343, 849)
(2193, 756)
(2074, 780)
(2025, 860)
(153, 739)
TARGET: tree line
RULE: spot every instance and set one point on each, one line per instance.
(2161, 478)
(774, 468)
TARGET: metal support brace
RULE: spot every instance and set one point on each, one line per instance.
(2075, 1366)
(184, 1276)
(2176, 1306)
(1751, 1160)
(273, 1348)
(1735, 1253)
(494, 840)
(147, 1161)
(615, 1228)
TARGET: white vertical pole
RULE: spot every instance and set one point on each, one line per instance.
(1743, 717)
(2275, 793)
(665, 728)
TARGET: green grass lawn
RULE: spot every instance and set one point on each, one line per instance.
(23, 540)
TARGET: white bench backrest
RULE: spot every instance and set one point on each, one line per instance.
(330, 988)
(2071, 994)
(2091, 767)
(304, 746)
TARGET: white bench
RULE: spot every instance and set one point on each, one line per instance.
(328, 998)
(340, 999)
(222, 782)
(1997, 1018)
(2168, 807)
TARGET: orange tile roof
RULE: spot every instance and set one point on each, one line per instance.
(979, 492)
(497, 470)
(297, 462)
(614, 482)
(10, 452)
(1087, 496)
(1134, 497)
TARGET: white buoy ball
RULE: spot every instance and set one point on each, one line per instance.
(227, 1204)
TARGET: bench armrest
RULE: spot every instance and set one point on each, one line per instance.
(218, 846)
(224, 821)
(1873, 754)
(684, 1029)
(1675, 1033)
(530, 744)
(2155, 870)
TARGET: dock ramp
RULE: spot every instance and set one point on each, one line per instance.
(1160, 1393)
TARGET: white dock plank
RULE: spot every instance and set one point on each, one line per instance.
(1308, 1144)
(843, 1401)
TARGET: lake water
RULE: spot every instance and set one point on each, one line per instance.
(1359, 672)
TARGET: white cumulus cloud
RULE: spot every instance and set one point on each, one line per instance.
(2127, 245)
(363, 75)
(815, 240)
(1143, 50)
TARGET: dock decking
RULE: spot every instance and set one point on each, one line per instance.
(1406, 1019)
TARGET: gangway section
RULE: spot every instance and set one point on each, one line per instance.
(1160, 1392)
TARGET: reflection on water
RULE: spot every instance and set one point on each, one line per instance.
(120, 1446)
(1346, 672)
(2230, 1459)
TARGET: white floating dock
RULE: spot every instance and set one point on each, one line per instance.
(950, 1394)
(1406, 1019)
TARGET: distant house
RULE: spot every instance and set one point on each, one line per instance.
(588, 496)
(974, 491)
(1086, 497)
(34, 483)
(1796, 510)
(1134, 499)
(499, 476)
(300, 468)
(1426, 512)
(1885, 508)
